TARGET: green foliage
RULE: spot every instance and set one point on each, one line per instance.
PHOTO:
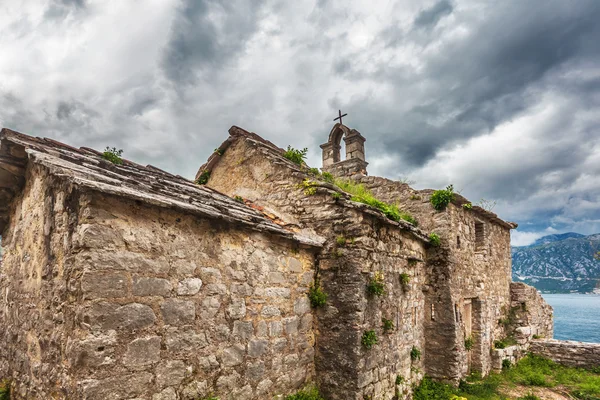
(203, 178)
(504, 343)
(5, 389)
(327, 177)
(434, 239)
(309, 393)
(467, 206)
(441, 198)
(431, 390)
(239, 199)
(369, 339)
(336, 195)
(314, 172)
(376, 285)
(399, 379)
(529, 396)
(537, 336)
(388, 325)
(295, 156)
(415, 354)
(360, 194)
(219, 151)
(506, 364)
(309, 187)
(415, 197)
(317, 296)
(340, 241)
(337, 253)
(469, 343)
(113, 155)
(404, 279)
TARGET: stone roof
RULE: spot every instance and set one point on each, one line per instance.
(87, 168)
(275, 156)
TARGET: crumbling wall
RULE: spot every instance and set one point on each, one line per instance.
(358, 245)
(35, 278)
(530, 316)
(569, 353)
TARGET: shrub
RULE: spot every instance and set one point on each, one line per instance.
(314, 172)
(309, 393)
(431, 390)
(327, 177)
(295, 156)
(399, 380)
(113, 155)
(537, 336)
(404, 279)
(504, 343)
(469, 343)
(376, 285)
(369, 339)
(5, 389)
(316, 295)
(203, 178)
(506, 364)
(388, 325)
(309, 187)
(434, 239)
(467, 206)
(415, 354)
(441, 198)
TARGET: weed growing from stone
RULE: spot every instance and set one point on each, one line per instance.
(467, 206)
(314, 172)
(203, 178)
(529, 396)
(434, 239)
(327, 177)
(309, 187)
(309, 393)
(388, 325)
(415, 354)
(404, 279)
(239, 199)
(399, 379)
(369, 339)
(295, 156)
(113, 155)
(219, 151)
(441, 198)
(5, 390)
(316, 295)
(376, 285)
(504, 343)
(469, 343)
(506, 364)
(340, 241)
(360, 194)
(336, 195)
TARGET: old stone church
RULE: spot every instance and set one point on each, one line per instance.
(122, 281)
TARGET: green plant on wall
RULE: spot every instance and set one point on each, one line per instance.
(399, 379)
(467, 206)
(295, 156)
(316, 295)
(469, 343)
(113, 155)
(309, 393)
(404, 279)
(376, 285)
(434, 239)
(203, 178)
(369, 339)
(441, 198)
(415, 353)
(5, 389)
(387, 325)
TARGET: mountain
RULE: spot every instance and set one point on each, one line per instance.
(559, 263)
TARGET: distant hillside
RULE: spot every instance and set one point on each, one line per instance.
(560, 263)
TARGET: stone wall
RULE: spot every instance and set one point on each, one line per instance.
(530, 315)
(358, 245)
(465, 277)
(572, 354)
(108, 298)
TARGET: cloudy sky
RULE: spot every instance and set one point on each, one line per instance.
(498, 98)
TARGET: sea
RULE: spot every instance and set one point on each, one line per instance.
(576, 316)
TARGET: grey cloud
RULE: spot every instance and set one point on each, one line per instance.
(431, 16)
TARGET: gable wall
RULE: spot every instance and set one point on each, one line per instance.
(345, 368)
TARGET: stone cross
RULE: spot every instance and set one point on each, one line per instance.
(340, 116)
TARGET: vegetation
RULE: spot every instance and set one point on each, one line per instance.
(506, 364)
(467, 206)
(487, 205)
(399, 380)
(336, 195)
(316, 295)
(360, 194)
(388, 325)
(404, 279)
(239, 199)
(369, 339)
(327, 177)
(310, 187)
(441, 198)
(531, 371)
(376, 285)
(434, 239)
(340, 240)
(219, 151)
(415, 354)
(113, 155)
(203, 178)
(469, 343)
(309, 393)
(504, 343)
(5, 390)
(295, 156)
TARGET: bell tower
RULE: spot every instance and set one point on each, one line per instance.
(354, 163)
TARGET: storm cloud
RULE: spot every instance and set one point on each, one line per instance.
(499, 99)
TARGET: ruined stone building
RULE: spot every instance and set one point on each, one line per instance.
(121, 281)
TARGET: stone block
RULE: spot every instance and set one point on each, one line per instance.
(143, 351)
(270, 311)
(185, 342)
(130, 317)
(93, 351)
(232, 356)
(167, 394)
(302, 305)
(178, 312)
(237, 309)
(104, 284)
(257, 347)
(170, 373)
(189, 286)
(290, 325)
(143, 286)
(98, 237)
(121, 386)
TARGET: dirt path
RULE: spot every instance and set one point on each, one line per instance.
(542, 393)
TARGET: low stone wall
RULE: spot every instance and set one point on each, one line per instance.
(572, 354)
(510, 353)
